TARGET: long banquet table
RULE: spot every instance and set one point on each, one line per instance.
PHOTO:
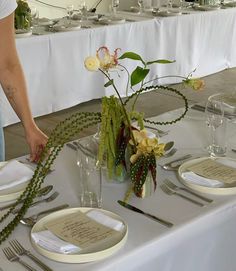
(203, 238)
(57, 79)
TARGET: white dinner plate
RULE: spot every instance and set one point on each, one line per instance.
(105, 252)
(206, 7)
(111, 20)
(64, 28)
(224, 190)
(166, 13)
(229, 4)
(45, 22)
(13, 192)
(22, 33)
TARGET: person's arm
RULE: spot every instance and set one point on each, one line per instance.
(14, 85)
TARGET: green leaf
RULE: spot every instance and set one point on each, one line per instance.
(138, 75)
(110, 82)
(133, 56)
(161, 61)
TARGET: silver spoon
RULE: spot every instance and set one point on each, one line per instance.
(170, 153)
(42, 192)
(31, 220)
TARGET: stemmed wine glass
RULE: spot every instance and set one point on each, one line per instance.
(115, 5)
(83, 10)
(141, 6)
(216, 124)
(69, 11)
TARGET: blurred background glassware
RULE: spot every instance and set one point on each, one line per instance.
(83, 10)
(90, 175)
(141, 6)
(217, 125)
(69, 12)
(34, 16)
(114, 6)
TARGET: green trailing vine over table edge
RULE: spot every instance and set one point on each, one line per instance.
(63, 133)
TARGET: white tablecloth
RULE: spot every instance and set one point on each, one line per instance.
(57, 79)
(203, 238)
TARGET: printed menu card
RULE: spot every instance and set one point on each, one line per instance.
(82, 231)
(214, 170)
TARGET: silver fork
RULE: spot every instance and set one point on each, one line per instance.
(12, 257)
(175, 187)
(170, 192)
(48, 199)
(19, 249)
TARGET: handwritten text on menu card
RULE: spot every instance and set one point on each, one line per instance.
(80, 230)
(214, 170)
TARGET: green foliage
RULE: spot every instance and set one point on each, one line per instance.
(160, 61)
(138, 75)
(61, 134)
(133, 56)
(22, 15)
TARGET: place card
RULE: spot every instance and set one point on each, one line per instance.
(214, 170)
(82, 231)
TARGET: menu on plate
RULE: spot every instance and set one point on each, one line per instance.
(214, 170)
(82, 231)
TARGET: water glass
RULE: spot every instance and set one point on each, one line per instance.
(90, 174)
(216, 125)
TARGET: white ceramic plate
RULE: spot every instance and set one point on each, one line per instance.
(225, 190)
(167, 13)
(107, 20)
(45, 22)
(13, 192)
(79, 258)
(22, 33)
(206, 7)
(230, 4)
(64, 28)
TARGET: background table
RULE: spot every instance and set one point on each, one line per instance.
(203, 238)
(57, 79)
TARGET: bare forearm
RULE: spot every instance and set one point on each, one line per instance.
(14, 86)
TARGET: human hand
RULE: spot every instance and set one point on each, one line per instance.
(36, 140)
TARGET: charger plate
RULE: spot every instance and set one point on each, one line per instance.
(224, 190)
(13, 192)
(107, 250)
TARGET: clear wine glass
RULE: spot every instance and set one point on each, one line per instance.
(82, 7)
(216, 124)
(34, 16)
(69, 11)
(115, 5)
(141, 6)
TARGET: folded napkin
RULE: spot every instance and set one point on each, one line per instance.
(51, 242)
(199, 180)
(14, 173)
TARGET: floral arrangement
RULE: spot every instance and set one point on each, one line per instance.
(22, 15)
(119, 138)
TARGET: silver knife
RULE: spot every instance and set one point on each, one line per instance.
(135, 209)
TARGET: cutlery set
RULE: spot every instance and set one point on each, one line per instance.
(16, 250)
